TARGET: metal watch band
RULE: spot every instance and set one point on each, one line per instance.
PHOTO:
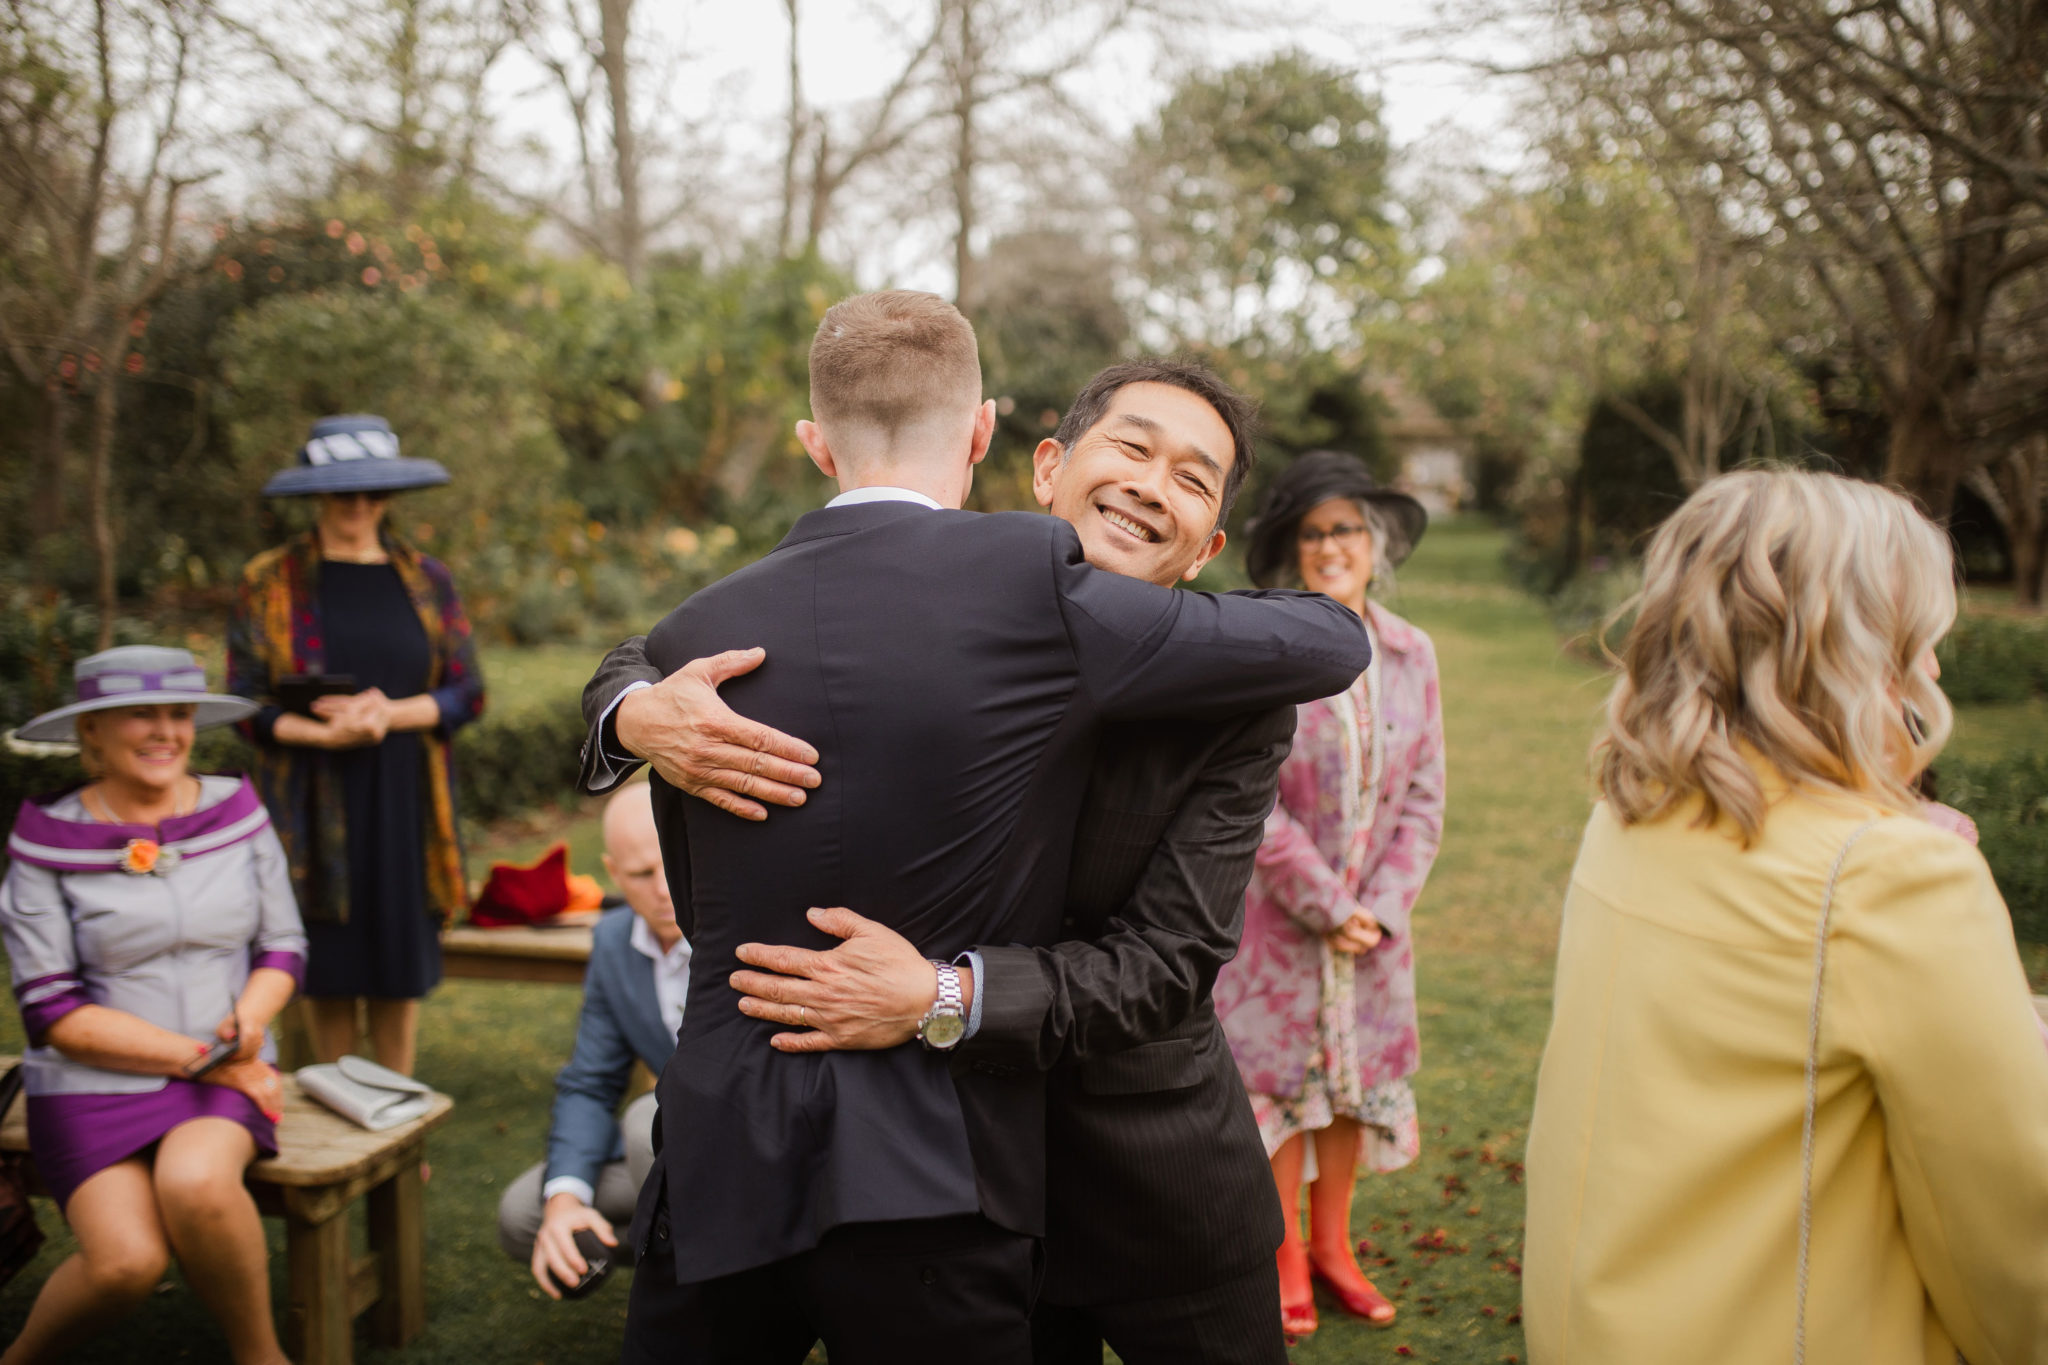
(950, 1006)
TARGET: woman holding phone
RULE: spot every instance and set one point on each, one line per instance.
(150, 927)
(356, 649)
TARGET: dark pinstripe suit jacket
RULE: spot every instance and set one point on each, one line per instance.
(1156, 1180)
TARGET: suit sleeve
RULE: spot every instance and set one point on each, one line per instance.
(1926, 990)
(1155, 962)
(583, 1132)
(605, 764)
(1146, 652)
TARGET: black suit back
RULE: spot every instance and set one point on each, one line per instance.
(951, 669)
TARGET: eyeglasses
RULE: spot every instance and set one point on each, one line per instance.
(1347, 536)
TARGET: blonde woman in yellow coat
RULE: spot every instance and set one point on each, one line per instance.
(1777, 699)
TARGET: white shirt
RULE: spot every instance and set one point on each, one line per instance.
(671, 972)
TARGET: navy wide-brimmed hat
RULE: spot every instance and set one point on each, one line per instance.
(137, 675)
(355, 453)
(1308, 483)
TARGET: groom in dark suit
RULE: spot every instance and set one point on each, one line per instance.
(960, 667)
(1161, 1212)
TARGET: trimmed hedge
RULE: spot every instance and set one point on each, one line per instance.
(1995, 658)
(2009, 801)
(506, 763)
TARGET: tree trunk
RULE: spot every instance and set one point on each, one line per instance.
(616, 18)
(2029, 563)
(105, 408)
(1924, 459)
(2015, 488)
(47, 512)
(963, 158)
(794, 149)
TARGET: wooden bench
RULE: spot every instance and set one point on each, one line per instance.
(323, 1165)
(556, 954)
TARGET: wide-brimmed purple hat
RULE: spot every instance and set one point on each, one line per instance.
(353, 453)
(137, 675)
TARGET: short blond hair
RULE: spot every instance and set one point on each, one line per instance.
(1782, 611)
(888, 360)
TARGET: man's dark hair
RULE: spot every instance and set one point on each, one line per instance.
(1238, 412)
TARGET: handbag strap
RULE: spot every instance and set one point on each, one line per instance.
(1820, 966)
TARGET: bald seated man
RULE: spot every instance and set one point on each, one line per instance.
(633, 993)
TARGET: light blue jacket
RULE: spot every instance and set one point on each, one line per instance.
(620, 1024)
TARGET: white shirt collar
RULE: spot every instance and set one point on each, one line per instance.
(644, 939)
(883, 493)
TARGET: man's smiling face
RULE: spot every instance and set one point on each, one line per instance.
(1144, 485)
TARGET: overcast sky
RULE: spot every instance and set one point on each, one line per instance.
(722, 66)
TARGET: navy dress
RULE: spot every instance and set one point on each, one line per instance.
(390, 948)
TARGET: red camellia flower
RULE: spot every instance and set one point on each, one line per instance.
(355, 244)
(133, 364)
(372, 276)
(335, 227)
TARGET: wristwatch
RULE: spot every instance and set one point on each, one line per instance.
(945, 1023)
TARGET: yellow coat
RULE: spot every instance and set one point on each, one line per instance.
(1664, 1161)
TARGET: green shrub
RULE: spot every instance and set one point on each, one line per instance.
(2009, 801)
(518, 759)
(1995, 658)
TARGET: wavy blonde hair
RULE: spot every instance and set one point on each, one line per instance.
(1784, 611)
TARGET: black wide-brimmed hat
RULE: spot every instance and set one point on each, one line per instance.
(353, 453)
(1310, 481)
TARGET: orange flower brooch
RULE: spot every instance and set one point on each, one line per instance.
(144, 856)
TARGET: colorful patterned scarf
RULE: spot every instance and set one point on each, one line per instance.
(276, 632)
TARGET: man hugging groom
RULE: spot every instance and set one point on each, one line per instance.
(1040, 783)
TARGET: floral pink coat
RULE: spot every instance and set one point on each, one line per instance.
(1270, 995)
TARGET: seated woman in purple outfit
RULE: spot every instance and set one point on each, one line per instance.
(148, 915)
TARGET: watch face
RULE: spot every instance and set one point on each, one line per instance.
(944, 1030)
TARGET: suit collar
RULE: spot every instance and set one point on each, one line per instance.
(849, 519)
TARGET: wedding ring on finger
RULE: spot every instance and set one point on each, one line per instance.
(803, 1015)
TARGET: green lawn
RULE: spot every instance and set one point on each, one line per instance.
(1519, 711)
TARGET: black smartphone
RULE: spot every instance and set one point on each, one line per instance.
(597, 1258)
(215, 1056)
(298, 691)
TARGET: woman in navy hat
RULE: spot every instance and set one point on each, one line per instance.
(1319, 1004)
(148, 917)
(356, 649)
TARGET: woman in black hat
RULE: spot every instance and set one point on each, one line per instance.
(356, 646)
(1319, 1004)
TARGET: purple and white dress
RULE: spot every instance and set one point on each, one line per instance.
(90, 917)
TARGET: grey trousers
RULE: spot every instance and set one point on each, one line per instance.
(520, 1208)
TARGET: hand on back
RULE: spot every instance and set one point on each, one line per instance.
(701, 746)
